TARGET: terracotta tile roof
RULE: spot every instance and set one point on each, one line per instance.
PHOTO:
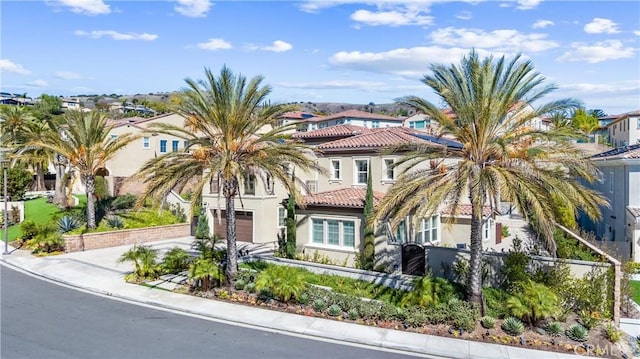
(626, 152)
(333, 131)
(345, 197)
(137, 120)
(635, 211)
(358, 114)
(465, 210)
(376, 138)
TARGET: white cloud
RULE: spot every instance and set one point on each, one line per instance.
(637, 32)
(624, 86)
(601, 26)
(464, 15)
(67, 75)
(214, 44)
(115, 35)
(597, 52)
(10, 66)
(38, 83)
(334, 84)
(193, 8)
(407, 62)
(541, 24)
(87, 7)
(527, 4)
(391, 18)
(277, 46)
(504, 40)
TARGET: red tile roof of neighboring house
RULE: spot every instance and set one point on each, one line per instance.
(377, 138)
(333, 131)
(137, 120)
(345, 197)
(626, 152)
(358, 114)
(297, 115)
(465, 210)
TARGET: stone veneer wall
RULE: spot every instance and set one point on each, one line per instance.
(87, 241)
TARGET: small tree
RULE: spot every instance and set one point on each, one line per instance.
(202, 228)
(368, 254)
(18, 181)
(291, 226)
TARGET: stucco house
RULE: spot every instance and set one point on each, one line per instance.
(619, 230)
(356, 118)
(625, 129)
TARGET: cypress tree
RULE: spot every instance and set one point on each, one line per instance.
(291, 226)
(368, 255)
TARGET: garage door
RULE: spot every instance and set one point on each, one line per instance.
(244, 226)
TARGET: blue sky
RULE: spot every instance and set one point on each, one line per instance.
(321, 51)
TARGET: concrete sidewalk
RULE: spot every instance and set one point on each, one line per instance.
(98, 272)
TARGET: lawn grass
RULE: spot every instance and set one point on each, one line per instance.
(37, 210)
(635, 290)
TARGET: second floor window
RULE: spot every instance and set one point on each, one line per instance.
(388, 169)
(335, 170)
(282, 217)
(428, 230)
(361, 171)
(375, 124)
(146, 143)
(250, 184)
(163, 146)
(174, 145)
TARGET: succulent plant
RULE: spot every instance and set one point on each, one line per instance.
(319, 305)
(577, 332)
(512, 326)
(554, 329)
(353, 314)
(115, 222)
(250, 287)
(488, 322)
(303, 298)
(334, 310)
(67, 224)
(240, 284)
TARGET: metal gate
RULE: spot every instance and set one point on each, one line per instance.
(413, 259)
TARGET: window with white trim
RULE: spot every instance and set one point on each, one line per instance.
(487, 229)
(163, 146)
(388, 169)
(428, 230)
(282, 217)
(333, 232)
(250, 184)
(375, 124)
(336, 173)
(270, 184)
(174, 145)
(146, 142)
(361, 171)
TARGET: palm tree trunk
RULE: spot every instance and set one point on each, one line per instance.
(232, 253)
(39, 185)
(474, 287)
(90, 185)
(60, 196)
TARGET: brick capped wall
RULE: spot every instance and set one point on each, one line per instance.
(89, 241)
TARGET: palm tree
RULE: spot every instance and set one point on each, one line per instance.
(13, 119)
(231, 137)
(493, 102)
(35, 156)
(86, 144)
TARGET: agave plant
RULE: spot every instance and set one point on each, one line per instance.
(68, 224)
(512, 326)
(554, 329)
(577, 332)
(115, 222)
(488, 322)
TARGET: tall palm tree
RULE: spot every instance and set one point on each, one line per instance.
(86, 144)
(13, 119)
(36, 157)
(493, 102)
(231, 135)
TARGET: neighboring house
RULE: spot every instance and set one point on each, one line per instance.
(356, 118)
(128, 107)
(625, 129)
(619, 230)
(299, 118)
(70, 104)
(421, 122)
(131, 158)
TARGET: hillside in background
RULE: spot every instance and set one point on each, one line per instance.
(161, 101)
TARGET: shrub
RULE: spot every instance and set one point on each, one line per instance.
(429, 291)
(495, 299)
(415, 317)
(239, 284)
(144, 260)
(202, 227)
(319, 305)
(554, 329)
(515, 266)
(175, 261)
(284, 282)
(67, 224)
(577, 332)
(115, 222)
(353, 314)
(122, 202)
(303, 298)
(533, 303)
(47, 239)
(512, 326)
(207, 247)
(589, 319)
(206, 273)
(334, 310)
(250, 287)
(29, 229)
(488, 322)
(614, 334)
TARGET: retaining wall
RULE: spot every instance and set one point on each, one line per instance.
(87, 241)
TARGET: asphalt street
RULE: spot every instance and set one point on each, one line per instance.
(39, 319)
